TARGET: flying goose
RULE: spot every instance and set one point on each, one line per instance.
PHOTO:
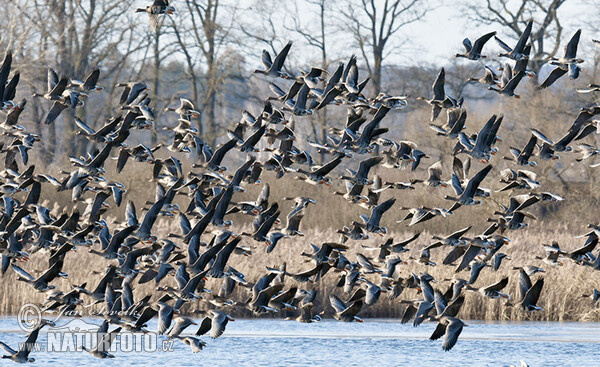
(488, 78)
(22, 355)
(566, 63)
(529, 294)
(467, 196)
(105, 340)
(439, 99)
(522, 157)
(473, 51)
(157, 7)
(516, 53)
(344, 312)
(273, 67)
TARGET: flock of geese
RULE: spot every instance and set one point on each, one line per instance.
(206, 247)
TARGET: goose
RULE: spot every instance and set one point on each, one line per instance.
(89, 83)
(300, 203)
(529, 294)
(372, 292)
(195, 344)
(473, 51)
(10, 123)
(360, 177)
(489, 78)
(273, 67)
(454, 124)
(323, 254)
(467, 197)
(435, 176)
(389, 246)
(523, 62)
(185, 110)
(100, 136)
(317, 176)
(158, 7)
(591, 88)
(346, 313)
(41, 283)
(522, 157)
(520, 179)
(8, 88)
(423, 214)
(292, 227)
(516, 53)
(371, 224)
(105, 340)
(553, 254)
(508, 85)
(426, 305)
(454, 240)
(587, 151)
(567, 63)
(452, 331)
(460, 178)
(439, 99)
(493, 291)
(131, 91)
(181, 323)
(498, 260)
(562, 144)
(482, 147)
(22, 355)
(391, 102)
(56, 86)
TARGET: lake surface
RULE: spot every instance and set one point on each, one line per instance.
(332, 343)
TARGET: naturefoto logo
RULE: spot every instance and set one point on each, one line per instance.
(77, 335)
(29, 317)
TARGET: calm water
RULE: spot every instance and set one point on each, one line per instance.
(329, 343)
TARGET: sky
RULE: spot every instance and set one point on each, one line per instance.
(442, 30)
(438, 36)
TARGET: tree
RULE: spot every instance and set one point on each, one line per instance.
(74, 36)
(203, 37)
(374, 25)
(317, 38)
(514, 15)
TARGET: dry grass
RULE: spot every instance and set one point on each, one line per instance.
(561, 222)
(560, 296)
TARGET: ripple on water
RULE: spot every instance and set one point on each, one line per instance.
(376, 342)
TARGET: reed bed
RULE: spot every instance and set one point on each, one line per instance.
(561, 296)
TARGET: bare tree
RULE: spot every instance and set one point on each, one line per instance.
(374, 25)
(317, 37)
(514, 15)
(203, 37)
(74, 36)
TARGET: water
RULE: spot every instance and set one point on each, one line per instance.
(332, 343)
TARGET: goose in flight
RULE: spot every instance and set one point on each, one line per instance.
(567, 63)
(516, 53)
(273, 67)
(473, 51)
(157, 8)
